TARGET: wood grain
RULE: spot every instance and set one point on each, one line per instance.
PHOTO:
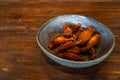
(20, 56)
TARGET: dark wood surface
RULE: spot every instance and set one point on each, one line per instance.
(20, 56)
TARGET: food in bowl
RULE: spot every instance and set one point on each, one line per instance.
(76, 43)
(53, 27)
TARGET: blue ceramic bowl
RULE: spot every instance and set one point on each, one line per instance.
(53, 27)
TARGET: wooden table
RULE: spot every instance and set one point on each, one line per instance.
(20, 56)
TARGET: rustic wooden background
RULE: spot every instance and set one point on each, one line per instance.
(20, 56)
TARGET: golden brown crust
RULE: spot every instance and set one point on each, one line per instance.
(75, 41)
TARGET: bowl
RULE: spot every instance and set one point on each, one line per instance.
(53, 27)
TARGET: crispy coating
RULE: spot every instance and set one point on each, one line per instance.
(94, 40)
(52, 44)
(67, 31)
(61, 55)
(72, 56)
(75, 41)
(61, 39)
(85, 36)
(74, 49)
(65, 46)
(58, 40)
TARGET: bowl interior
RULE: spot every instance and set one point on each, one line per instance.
(54, 27)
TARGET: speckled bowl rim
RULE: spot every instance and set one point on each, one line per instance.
(99, 58)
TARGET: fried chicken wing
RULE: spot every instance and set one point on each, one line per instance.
(61, 55)
(85, 36)
(77, 33)
(62, 39)
(67, 31)
(58, 40)
(74, 49)
(52, 44)
(94, 40)
(72, 56)
(65, 46)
